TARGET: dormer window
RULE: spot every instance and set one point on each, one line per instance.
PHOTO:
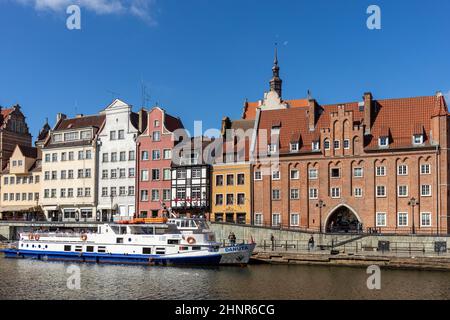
(315, 145)
(294, 147)
(383, 141)
(418, 139)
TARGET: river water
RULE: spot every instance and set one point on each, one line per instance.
(31, 279)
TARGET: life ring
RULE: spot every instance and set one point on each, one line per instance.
(37, 237)
(84, 237)
(190, 240)
(30, 236)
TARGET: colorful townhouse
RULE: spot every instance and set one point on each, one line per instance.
(13, 131)
(117, 161)
(154, 160)
(191, 178)
(231, 184)
(20, 185)
(69, 182)
(377, 165)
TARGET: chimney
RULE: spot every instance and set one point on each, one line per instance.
(226, 124)
(312, 114)
(60, 116)
(368, 111)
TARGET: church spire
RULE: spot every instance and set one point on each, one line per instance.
(276, 82)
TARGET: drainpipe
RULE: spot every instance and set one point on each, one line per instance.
(438, 198)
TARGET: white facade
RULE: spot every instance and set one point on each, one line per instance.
(117, 162)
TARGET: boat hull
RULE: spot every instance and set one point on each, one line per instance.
(206, 260)
(239, 254)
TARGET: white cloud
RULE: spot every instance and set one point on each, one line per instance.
(447, 96)
(142, 9)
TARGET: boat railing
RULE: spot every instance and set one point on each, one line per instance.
(56, 234)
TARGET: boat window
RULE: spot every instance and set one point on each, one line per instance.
(115, 229)
(90, 249)
(67, 248)
(196, 248)
(141, 230)
(160, 231)
(173, 241)
(146, 251)
(119, 240)
(78, 248)
(101, 249)
(160, 250)
(184, 248)
(123, 230)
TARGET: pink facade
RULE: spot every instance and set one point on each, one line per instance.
(154, 159)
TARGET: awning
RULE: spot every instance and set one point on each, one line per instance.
(18, 208)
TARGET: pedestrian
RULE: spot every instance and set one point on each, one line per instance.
(311, 243)
(232, 238)
(272, 239)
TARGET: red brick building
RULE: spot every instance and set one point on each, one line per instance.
(154, 150)
(13, 131)
(373, 164)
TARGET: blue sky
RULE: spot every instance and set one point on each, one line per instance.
(200, 59)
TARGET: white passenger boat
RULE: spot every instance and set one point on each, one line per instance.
(173, 242)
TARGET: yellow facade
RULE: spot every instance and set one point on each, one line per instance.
(20, 185)
(231, 193)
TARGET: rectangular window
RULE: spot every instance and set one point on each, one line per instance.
(87, 173)
(144, 175)
(241, 199)
(167, 154)
(381, 219)
(86, 135)
(336, 144)
(131, 156)
(295, 219)
(402, 170)
(402, 219)
(181, 173)
(123, 156)
(295, 175)
(166, 174)
(346, 144)
(425, 169)
(258, 175)
(335, 173)
(326, 144)
(113, 156)
(80, 173)
(381, 191)
(418, 139)
(144, 155)
(258, 219)
(63, 156)
(131, 173)
(79, 192)
(181, 193)
(144, 195)
(196, 173)
(383, 141)
(335, 192)
(358, 172)
(312, 174)
(425, 190)
(219, 180)
(313, 193)
(156, 136)
(166, 195)
(104, 192)
(230, 199)
(71, 156)
(54, 157)
(219, 199)
(276, 194)
(275, 175)
(380, 171)
(240, 179)
(230, 179)
(294, 147)
(70, 193)
(402, 191)
(104, 174)
(121, 134)
(155, 195)
(276, 219)
(112, 135)
(156, 155)
(358, 192)
(122, 173)
(80, 155)
(155, 174)
(131, 191)
(315, 145)
(295, 195)
(425, 219)
(88, 154)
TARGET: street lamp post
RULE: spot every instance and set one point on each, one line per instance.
(111, 211)
(320, 204)
(413, 202)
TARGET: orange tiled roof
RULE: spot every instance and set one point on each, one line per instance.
(250, 107)
(399, 118)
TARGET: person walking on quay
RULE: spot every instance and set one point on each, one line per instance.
(232, 238)
(272, 239)
(311, 243)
